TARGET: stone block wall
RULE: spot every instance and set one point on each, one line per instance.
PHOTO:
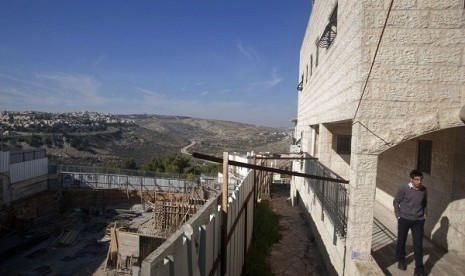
(418, 79)
(446, 183)
(332, 85)
(416, 87)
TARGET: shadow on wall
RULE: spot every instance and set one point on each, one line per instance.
(445, 184)
(440, 237)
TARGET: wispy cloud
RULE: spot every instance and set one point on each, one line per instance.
(73, 86)
(274, 80)
(249, 53)
(147, 91)
(150, 100)
(99, 60)
(63, 92)
(52, 91)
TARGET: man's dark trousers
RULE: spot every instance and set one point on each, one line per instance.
(417, 227)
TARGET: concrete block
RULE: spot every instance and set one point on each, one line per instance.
(440, 55)
(447, 19)
(399, 92)
(416, 37)
(389, 55)
(419, 74)
(400, 4)
(439, 5)
(409, 19)
(452, 74)
(446, 95)
(373, 4)
(462, 95)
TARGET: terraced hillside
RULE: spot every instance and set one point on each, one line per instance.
(157, 135)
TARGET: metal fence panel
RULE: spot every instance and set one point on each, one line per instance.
(4, 161)
(27, 170)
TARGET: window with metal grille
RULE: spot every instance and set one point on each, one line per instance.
(343, 144)
(425, 150)
(311, 65)
(330, 32)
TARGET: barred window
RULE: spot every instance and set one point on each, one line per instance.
(343, 144)
(330, 32)
(311, 65)
(425, 150)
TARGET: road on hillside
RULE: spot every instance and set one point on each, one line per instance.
(184, 149)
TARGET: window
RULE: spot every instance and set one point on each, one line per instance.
(311, 65)
(317, 52)
(315, 131)
(300, 86)
(306, 77)
(330, 31)
(425, 150)
(343, 144)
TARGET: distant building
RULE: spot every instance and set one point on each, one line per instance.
(375, 103)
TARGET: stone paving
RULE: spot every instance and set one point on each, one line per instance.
(437, 261)
(295, 253)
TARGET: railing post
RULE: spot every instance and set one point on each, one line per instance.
(224, 210)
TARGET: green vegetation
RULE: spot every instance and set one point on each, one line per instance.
(127, 164)
(35, 141)
(266, 233)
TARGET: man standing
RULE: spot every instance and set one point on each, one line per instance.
(410, 209)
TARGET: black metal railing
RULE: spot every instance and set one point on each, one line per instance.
(333, 196)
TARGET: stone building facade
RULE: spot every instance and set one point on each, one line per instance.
(381, 92)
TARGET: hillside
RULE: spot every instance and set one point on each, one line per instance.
(157, 135)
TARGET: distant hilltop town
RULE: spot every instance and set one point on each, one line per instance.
(26, 121)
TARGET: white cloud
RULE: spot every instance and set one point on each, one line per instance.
(50, 91)
(274, 80)
(248, 52)
(64, 92)
(73, 86)
(99, 60)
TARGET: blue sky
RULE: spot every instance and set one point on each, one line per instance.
(216, 59)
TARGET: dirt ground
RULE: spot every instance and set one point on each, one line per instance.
(78, 248)
(296, 253)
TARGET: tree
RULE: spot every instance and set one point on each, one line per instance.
(47, 141)
(176, 163)
(36, 141)
(154, 165)
(129, 164)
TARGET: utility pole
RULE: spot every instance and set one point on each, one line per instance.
(224, 211)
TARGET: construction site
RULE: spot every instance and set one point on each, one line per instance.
(70, 220)
(87, 222)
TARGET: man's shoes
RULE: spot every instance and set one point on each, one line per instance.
(420, 271)
(401, 265)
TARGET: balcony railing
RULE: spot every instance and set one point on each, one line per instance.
(333, 196)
